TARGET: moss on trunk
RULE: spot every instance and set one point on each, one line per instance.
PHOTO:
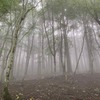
(6, 94)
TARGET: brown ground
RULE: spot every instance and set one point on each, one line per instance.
(83, 87)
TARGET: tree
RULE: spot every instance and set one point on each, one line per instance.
(18, 25)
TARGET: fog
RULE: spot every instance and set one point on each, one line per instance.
(49, 39)
(33, 58)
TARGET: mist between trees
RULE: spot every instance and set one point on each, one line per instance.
(46, 38)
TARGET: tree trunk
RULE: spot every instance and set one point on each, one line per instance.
(3, 66)
(62, 67)
(39, 56)
(67, 53)
(6, 95)
(29, 50)
(89, 49)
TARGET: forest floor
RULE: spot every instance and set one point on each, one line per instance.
(84, 87)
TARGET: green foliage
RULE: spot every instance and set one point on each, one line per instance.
(62, 6)
(73, 8)
(88, 7)
(6, 5)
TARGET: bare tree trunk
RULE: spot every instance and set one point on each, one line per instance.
(29, 50)
(43, 58)
(62, 67)
(89, 49)
(3, 65)
(75, 46)
(77, 64)
(6, 95)
(54, 48)
(53, 52)
(39, 55)
(67, 53)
